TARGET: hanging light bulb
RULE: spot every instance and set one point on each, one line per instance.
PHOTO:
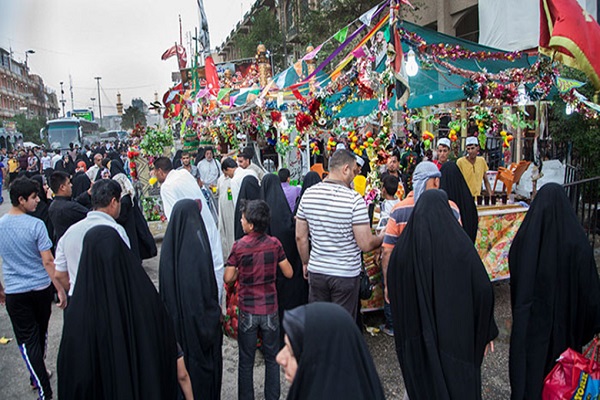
(569, 109)
(412, 67)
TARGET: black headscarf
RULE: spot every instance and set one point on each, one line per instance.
(67, 166)
(249, 190)
(310, 179)
(442, 304)
(118, 341)
(41, 211)
(293, 292)
(81, 183)
(189, 290)
(334, 362)
(177, 159)
(455, 186)
(116, 167)
(555, 290)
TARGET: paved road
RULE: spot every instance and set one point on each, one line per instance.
(14, 383)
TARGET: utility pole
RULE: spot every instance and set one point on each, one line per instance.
(99, 101)
(62, 98)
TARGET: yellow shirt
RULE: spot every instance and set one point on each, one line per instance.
(473, 173)
(13, 165)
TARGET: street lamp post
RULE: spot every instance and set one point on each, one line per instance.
(62, 98)
(99, 101)
(27, 53)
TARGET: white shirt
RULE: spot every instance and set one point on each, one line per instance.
(179, 185)
(55, 159)
(46, 162)
(209, 171)
(236, 181)
(70, 245)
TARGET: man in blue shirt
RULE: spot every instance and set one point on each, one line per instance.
(28, 268)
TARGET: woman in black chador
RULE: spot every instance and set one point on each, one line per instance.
(249, 190)
(118, 340)
(325, 356)
(442, 304)
(455, 186)
(188, 287)
(291, 293)
(554, 290)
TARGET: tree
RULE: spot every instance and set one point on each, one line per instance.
(575, 129)
(131, 117)
(265, 29)
(29, 127)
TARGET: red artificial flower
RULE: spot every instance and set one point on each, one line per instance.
(276, 116)
(303, 121)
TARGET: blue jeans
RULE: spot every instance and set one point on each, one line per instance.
(387, 310)
(249, 324)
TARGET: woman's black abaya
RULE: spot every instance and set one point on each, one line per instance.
(293, 292)
(310, 179)
(442, 304)
(455, 186)
(118, 341)
(81, 183)
(554, 288)
(41, 211)
(249, 190)
(189, 290)
(335, 362)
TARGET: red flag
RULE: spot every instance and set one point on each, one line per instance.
(571, 35)
(212, 78)
(176, 50)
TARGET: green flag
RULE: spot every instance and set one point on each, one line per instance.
(222, 93)
(341, 35)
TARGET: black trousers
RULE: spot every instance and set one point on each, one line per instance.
(29, 314)
(334, 289)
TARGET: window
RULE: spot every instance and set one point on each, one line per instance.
(468, 26)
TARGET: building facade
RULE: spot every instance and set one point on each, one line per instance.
(22, 92)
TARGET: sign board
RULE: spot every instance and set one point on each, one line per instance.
(88, 115)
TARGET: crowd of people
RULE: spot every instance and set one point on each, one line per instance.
(293, 256)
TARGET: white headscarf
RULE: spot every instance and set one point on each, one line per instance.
(423, 172)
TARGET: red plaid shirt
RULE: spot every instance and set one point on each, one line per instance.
(256, 257)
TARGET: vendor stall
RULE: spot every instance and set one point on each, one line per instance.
(498, 226)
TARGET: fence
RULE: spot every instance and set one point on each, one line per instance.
(584, 195)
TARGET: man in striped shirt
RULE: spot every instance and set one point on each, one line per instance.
(338, 222)
(425, 177)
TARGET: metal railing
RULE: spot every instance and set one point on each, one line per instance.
(584, 196)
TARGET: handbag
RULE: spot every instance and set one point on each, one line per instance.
(366, 288)
(575, 375)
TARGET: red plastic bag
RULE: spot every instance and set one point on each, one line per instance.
(575, 376)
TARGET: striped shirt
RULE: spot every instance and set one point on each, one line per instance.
(331, 210)
(400, 215)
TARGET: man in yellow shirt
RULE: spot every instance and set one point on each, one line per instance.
(13, 167)
(474, 168)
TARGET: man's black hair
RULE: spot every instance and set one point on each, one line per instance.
(284, 175)
(164, 164)
(56, 151)
(103, 191)
(22, 187)
(340, 158)
(390, 184)
(257, 213)
(228, 163)
(58, 178)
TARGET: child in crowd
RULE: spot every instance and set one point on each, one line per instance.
(389, 193)
(254, 259)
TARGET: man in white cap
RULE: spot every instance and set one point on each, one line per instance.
(474, 168)
(443, 151)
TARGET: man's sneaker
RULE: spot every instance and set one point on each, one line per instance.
(387, 331)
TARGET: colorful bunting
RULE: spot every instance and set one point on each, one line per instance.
(341, 35)
(368, 16)
(312, 54)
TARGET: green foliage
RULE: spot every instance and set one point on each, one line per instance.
(583, 133)
(29, 127)
(265, 29)
(155, 141)
(131, 117)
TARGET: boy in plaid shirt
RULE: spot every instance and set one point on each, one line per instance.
(254, 260)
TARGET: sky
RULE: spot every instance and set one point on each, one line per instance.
(120, 41)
